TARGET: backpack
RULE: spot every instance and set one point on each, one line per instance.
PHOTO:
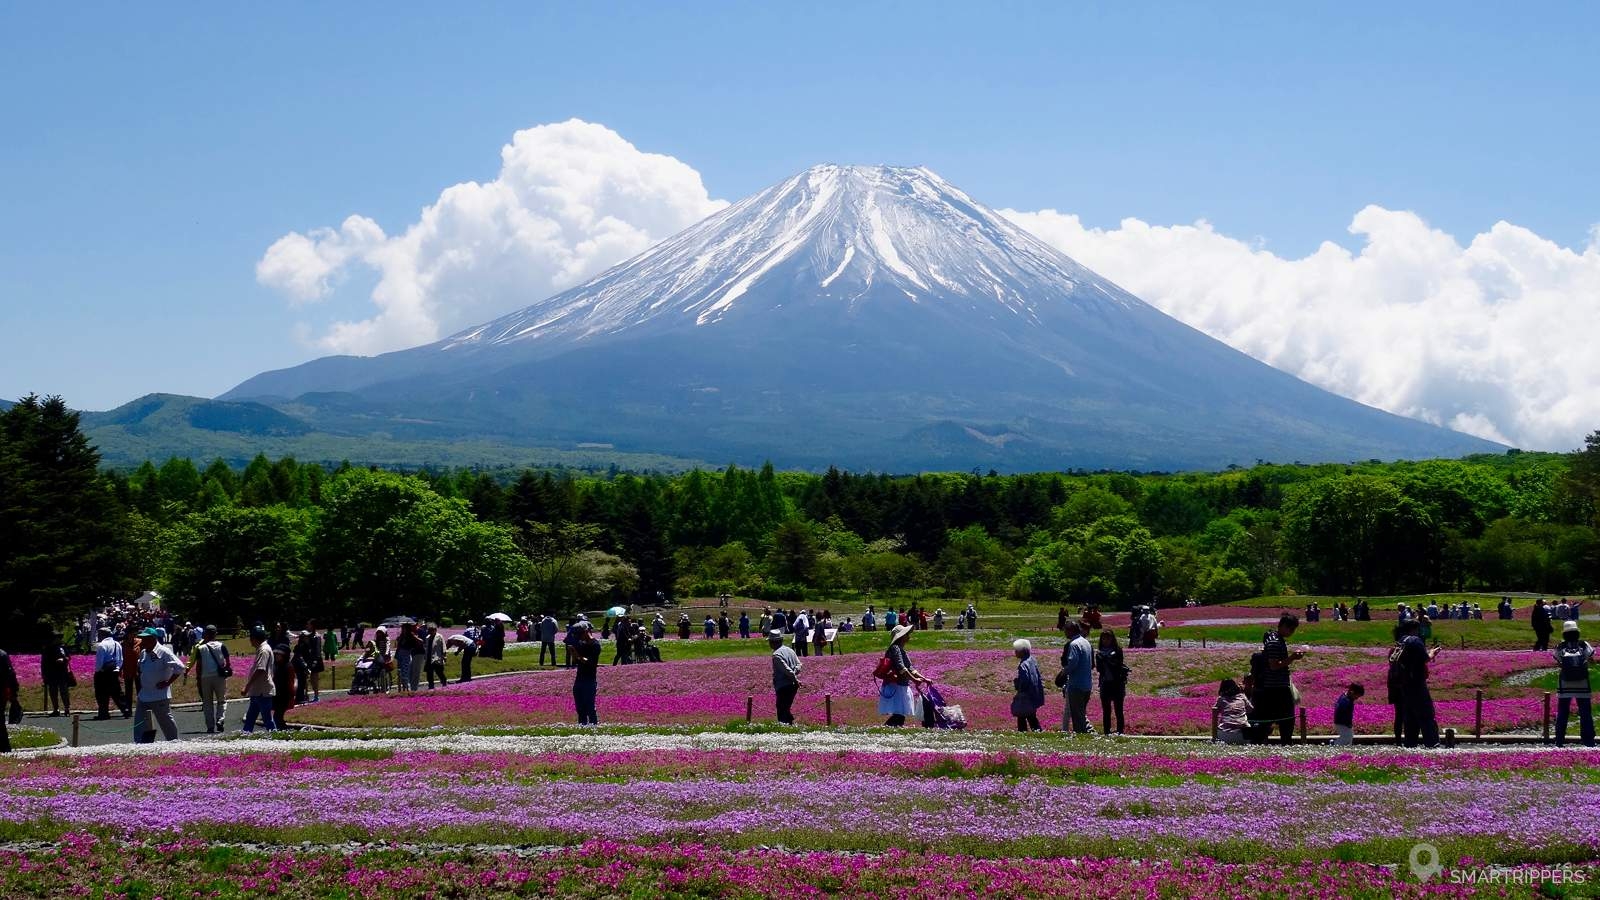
(885, 669)
(1574, 664)
(1397, 672)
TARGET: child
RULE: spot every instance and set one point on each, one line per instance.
(1233, 712)
(1344, 715)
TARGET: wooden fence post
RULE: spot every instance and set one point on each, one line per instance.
(750, 709)
(1202, 642)
(1477, 718)
(1547, 717)
(75, 719)
(1303, 737)
(1216, 714)
(1180, 643)
(827, 705)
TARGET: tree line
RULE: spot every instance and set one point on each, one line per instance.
(281, 538)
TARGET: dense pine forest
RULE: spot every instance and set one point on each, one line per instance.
(281, 538)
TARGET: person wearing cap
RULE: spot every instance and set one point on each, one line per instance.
(210, 659)
(585, 681)
(1573, 656)
(107, 672)
(897, 699)
(159, 667)
(259, 687)
(1029, 687)
(785, 676)
(433, 656)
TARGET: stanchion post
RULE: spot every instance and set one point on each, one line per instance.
(1449, 737)
(335, 676)
(827, 706)
(1303, 737)
(1216, 715)
(1477, 717)
(1547, 717)
(1463, 641)
(1180, 643)
(76, 717)
(1202, 642)
(749, 709)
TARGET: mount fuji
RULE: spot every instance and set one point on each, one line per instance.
(872, 317)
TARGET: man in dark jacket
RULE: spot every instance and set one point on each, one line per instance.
(1541, 625)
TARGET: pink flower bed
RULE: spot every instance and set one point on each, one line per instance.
(28, 675)
(715, 691)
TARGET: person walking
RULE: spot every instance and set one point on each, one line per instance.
(315, 665)
(108, 676)
(258, 687)
(1395, 683)
(10, 704)
(1274, 697)
(1344, 715)
(433, 657)
(897, 698)
(55, 670)
(1573, 656)
(1076, 680)
(1419, 710)
(130, 669)
(802, 634)
(330, 646)
(586, 679)
(469, 651)
(744, 624)
(1029, 687)
(283, 679)
(159, 667)
(1540, 620)
(406, 649)
(1110, 665)
(785, 676)
(212, 669)
(547, 639)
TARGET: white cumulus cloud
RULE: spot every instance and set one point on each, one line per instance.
(1494, 338)
(571, 199)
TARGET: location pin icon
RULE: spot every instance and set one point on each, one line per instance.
(1425, 861)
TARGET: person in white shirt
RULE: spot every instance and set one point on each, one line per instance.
(259, 687)
(159, 667)
(210, 659)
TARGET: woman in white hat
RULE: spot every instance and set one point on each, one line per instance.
(898, 699)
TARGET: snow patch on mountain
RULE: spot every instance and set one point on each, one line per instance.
(849, 235)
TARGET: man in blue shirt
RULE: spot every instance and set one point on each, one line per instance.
(107, 675)
(1077, 661)
(159, 667)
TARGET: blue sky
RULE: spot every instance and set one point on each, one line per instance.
(150, 159)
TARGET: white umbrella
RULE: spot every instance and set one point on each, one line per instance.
(500, 617)
(617, 611)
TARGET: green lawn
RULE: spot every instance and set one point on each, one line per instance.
(24, 738)
(1298, 602)
(1488, 634)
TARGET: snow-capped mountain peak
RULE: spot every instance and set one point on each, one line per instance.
(832, 236)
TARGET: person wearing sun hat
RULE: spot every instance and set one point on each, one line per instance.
(897, 698)
(159, 667)
(1573, 656)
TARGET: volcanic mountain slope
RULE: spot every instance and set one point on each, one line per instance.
(873, 317)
